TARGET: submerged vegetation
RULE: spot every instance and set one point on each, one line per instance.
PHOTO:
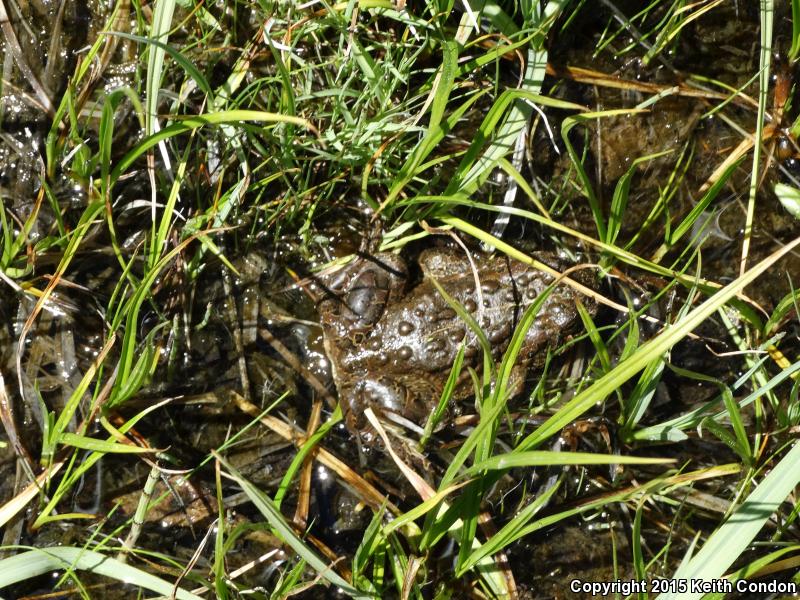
(177, 179)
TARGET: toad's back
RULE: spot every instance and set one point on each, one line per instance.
(393, 349)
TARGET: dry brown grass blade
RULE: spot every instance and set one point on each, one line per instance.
(421, 486)
(10, 425)
(489, 529)
(677, 480)
(334, 559)
(598, 78)
(12, 45)
(119, 22)
(304, 491)
(425, 492)
(50, 74)
(366, 492)
(787, 564)
(743, 148)
(20, 501)
(300, 589)
(231, 315)
(40, 303)
(410, 577)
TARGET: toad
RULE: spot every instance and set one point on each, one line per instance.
(391, 348)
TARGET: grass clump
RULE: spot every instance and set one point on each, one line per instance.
(154, 285)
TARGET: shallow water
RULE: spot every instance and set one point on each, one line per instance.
(217, 332)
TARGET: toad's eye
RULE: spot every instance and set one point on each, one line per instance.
(360, 299)
(367, 297)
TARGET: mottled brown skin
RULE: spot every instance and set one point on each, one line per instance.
(392, 349)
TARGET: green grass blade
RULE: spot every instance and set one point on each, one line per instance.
(639, 566)
(540, 458)
(276, 520)
(767, 13)
(159, 30)
(789, 198)
(95, 445)
(619, 201)
(794, 51)
(588, 190)
(735, 416)
(420, 509)
(179, 58)
(752, 570)
(370, 549)
(444, 86)
(698, 209)
(447, 393)
(671, 430)
(728, 542)
(486, 346)
(33, 563)
(498, 244)
(373, 75)
(649, 352)
(434, 135)
(308, 446)
(472, 173)
(503, 537)
(195, 122)
(518, 528)
(636, 404)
